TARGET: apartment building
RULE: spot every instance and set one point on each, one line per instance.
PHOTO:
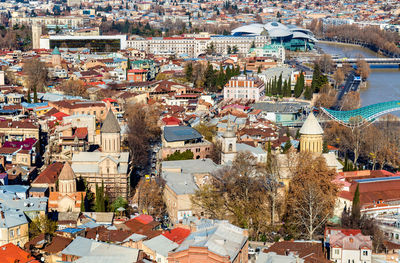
(194, 45)
(244, 87)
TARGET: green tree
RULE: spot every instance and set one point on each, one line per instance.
(189, 71)
(29, 96)
(325, 147)
(318, 79)
(259, 69)
(42, 225)
(279, 85)
(82, 203)
(235, 50)
(119, 202)
(308, 93)
(355, 207)
(299, 86)
(186, 155)
(287, 147)
(229, 50)
(210, 78)
(100, 205)
(253, 44)
(35, 97)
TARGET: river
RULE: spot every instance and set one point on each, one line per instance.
(383, 84)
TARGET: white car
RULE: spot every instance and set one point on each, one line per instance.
(251, 251)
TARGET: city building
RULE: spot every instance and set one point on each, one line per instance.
(94, 43)
(196, 45)
(66, 198)
(69, 21)
(182, 179)
(109, 166)
(271, 51)
(11, 253)
(36, 34)
(217, 242)
(228, 151)
(291, 37)
(183, 138)
(244, 87)
(348, 245)
(311, 135)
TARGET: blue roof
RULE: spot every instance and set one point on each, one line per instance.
(380, 179)
(71, 230)
(181, 133)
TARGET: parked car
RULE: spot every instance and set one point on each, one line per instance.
(251, 251)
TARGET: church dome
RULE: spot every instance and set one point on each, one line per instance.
(311, 126)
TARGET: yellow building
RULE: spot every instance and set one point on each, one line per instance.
(311, 135)
(13, 227)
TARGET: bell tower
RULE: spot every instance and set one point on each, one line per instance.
(228, 144)
(110, 134)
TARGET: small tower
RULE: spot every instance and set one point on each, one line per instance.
(56, 57)
(36, 34)
(311, 134)
(228, 144)
(67, 180)
(110, 134)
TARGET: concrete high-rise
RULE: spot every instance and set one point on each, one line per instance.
(36, 34)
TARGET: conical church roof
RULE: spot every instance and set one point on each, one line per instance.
(56, 51)
(311, 126)
(110, 124)
(66, 173)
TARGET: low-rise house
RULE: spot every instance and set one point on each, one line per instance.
(348, 245)
(83, 250)
(158, 247)
(14, 226)
(217, 242)
(182, 179)
(308, 251)
(48, 177)
(11, 253)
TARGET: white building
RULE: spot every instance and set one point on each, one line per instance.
(348, 245)
(244, 87)
(193, 45)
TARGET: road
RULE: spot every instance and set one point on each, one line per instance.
(350, 85)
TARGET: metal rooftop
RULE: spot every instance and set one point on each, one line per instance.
(361, 116)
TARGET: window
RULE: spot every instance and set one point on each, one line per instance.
(365, 253)
(18, 232)
(230, 147)
(11, 233)
(337, 251)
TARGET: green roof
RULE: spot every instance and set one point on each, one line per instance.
(56, 51)
(362, 115)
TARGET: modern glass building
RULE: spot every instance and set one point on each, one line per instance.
(291, 37)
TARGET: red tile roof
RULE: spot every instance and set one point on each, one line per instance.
(10, 253)
(50, 174)
(81, 132)
(177, 235)
(144, 219)
(60, 115)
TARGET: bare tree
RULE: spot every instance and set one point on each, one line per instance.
(143, 128)
(311, 196)
(36, 74)
(338, 76)
(350, 101)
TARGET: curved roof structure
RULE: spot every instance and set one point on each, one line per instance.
(364, 115)
(274, 29)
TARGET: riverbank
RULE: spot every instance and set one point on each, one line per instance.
(339, 43)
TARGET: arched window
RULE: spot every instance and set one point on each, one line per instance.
(230, 147)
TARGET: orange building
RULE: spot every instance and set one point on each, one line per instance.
(10, 253)
(137, 75)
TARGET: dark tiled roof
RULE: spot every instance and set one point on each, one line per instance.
(110, 124)
(181, 133)
(50, 174)
(310, 252)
